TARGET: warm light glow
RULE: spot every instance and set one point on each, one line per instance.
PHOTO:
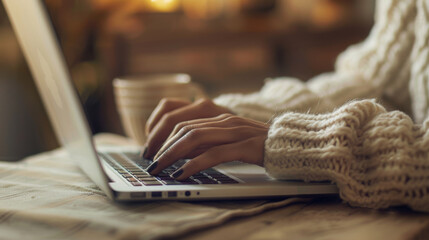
(327, 14)
(204, 9)
(163, 5)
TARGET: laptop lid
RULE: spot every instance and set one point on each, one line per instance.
(42, 52)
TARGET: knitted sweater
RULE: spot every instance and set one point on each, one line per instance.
(320, 130)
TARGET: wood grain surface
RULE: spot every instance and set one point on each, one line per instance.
(323, 218)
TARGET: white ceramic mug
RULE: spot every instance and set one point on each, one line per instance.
(137, 96)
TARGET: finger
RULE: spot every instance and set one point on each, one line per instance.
(197, 152)
(202, 138)
(164, 106)
(250, 151)
(200, 109)
(223, 120)
(183, 128)
(195, 122)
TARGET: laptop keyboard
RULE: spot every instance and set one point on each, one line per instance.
(132, 168)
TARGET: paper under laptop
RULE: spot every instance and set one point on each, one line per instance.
(120, 174)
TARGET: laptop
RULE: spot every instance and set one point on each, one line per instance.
(118, 172)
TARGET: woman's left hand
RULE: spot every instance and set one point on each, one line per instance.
(211, 141)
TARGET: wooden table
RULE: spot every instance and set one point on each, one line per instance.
(323, 218)
(48, 197)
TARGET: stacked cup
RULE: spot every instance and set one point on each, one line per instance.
(137, 97)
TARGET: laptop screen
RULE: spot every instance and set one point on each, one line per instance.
(35, 34)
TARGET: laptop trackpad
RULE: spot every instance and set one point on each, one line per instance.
(247, 172)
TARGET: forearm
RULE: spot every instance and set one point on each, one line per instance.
(280, 95)
(277, 96)
(377, 158)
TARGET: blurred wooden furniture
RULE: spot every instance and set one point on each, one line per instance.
(222, 58)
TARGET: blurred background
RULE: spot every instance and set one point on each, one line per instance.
(225, 45)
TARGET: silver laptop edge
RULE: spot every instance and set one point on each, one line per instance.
(44, 56)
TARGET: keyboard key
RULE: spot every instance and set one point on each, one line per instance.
(133, 168)
(206, 180)
(142, 174)
(126, 175)
(151, 183)
(132, 180)
(149, 178)
(167, 178)
(188, 181)
(172, 182)
(209, 181)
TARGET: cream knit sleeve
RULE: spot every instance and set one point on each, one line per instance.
(379, 67)
(377, 158)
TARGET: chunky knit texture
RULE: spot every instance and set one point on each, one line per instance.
(377, 157)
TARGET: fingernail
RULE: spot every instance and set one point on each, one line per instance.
(152, 167)
(177, 173)
(156, 156)
(143, 153)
